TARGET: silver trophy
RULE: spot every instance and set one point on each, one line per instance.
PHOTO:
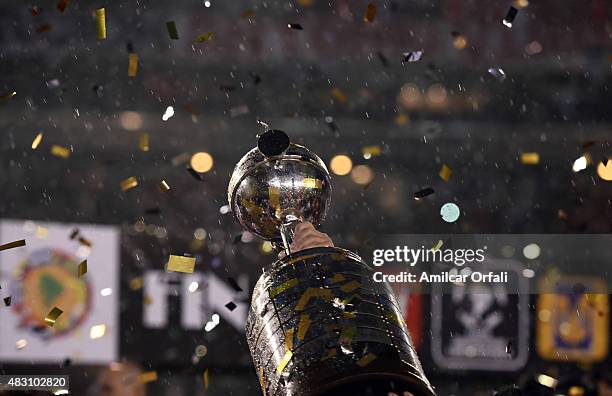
(318, 323)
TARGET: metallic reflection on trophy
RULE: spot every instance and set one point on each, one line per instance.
(318, 323)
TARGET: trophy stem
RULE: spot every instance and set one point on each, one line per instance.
(287, 231)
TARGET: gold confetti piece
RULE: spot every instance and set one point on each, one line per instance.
(164, 186)
(289, 339)
(101, 18)
(338, 278)
(437, 246)
(132, 64)
(303, 326)
(97, 331)
(283, 363)
(274, 195)
(136, 283)
(371, 151)
(312, 292)
(351, 286)
(370, 13)
(147, 300)
(366, 359)
(37, 141)
(312, 183)
(11, 245)
(82, 268)
(52, 316)
(205, 379)
(286, 285)
(530, 158)
(203, 37)
(445, 172)
(172, 32)
(401, 119)
(148, 376)
(8, 95)
(339, 95)
(60, 151)
(460, 41)
(349, 315)
(330, 353)
(129, 183)
(181, 264)
(143, 142)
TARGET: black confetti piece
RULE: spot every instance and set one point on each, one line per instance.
(234, 284)
(510, 16)
(237, 239)
(256, 78)
(295, 26)
(423, 193)
(7, 301)
(383, 59)
(172, 32)
(74, 233)
(195, 174)
(130, 47)
(153, 211)
(230, 305)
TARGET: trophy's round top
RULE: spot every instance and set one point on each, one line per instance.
(265, 189)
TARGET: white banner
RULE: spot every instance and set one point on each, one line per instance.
(42, 275)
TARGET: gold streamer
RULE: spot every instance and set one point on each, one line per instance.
(181, 264)
(37, 141)
(101, 17)
(445, 172)
(52, 316)
(133, 65)
(129, 183)
(82, 268)
(60, 151)
(148, 376)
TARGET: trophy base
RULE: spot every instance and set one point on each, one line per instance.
(320, 325)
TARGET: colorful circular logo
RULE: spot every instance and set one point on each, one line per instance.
(46, 279)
